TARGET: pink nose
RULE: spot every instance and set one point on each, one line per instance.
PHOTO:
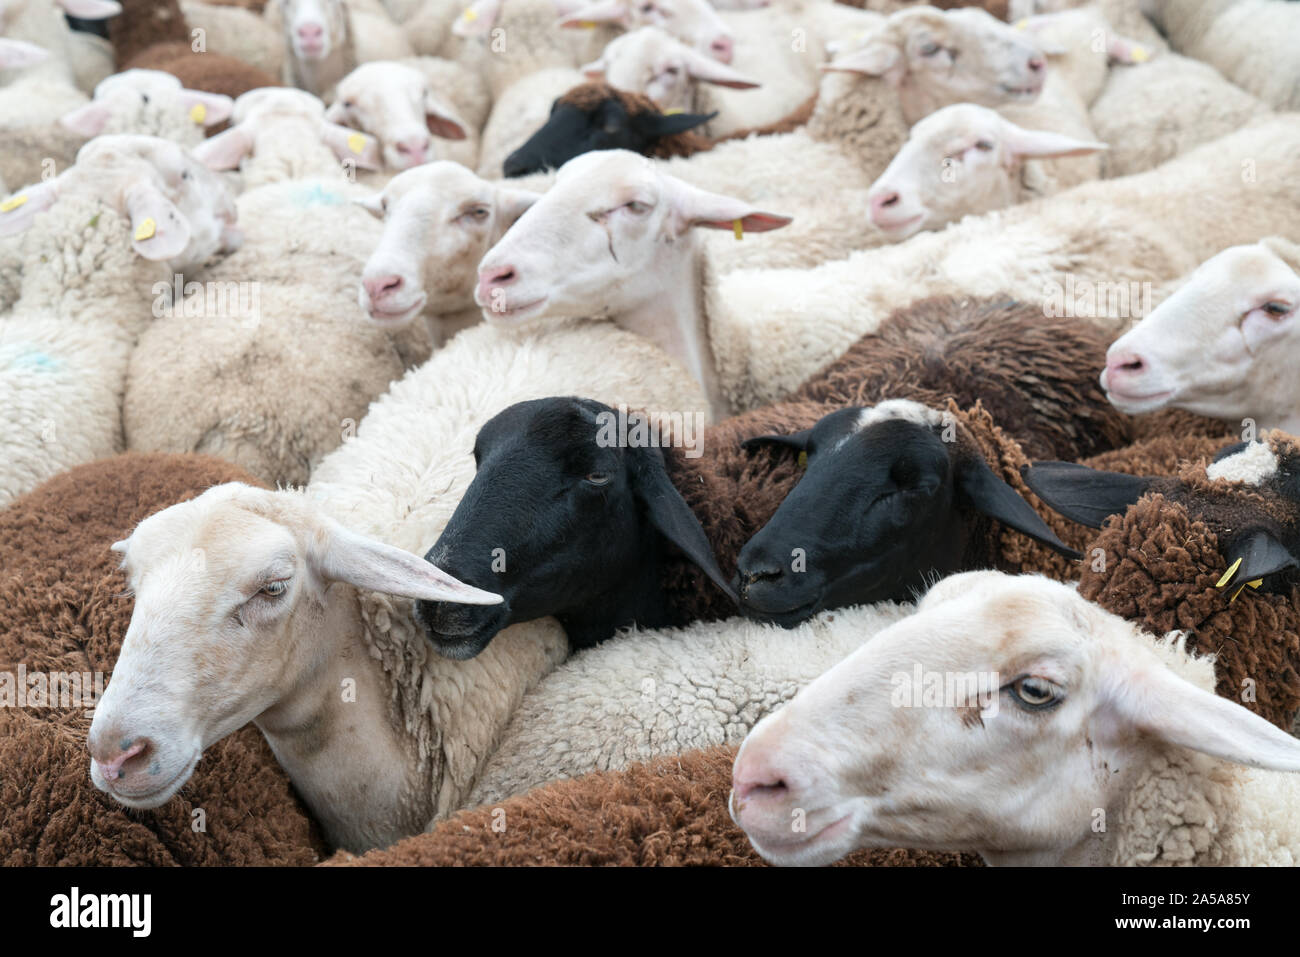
(380, 288)
(414, 150)
(722, 48)
(491, 280)
(757, 782)
(1121, 364)
(883, 200)
(116, 767)
(1036, 64)
(310, 31)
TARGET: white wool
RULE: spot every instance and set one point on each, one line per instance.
(647, 693)
(236, 32)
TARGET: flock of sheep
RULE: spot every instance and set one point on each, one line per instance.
(629, 431)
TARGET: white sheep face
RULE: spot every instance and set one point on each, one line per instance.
(313, 28)
(395, 104)
(1222, 345)
(232, 600)
(694, 22)
(439, 220)
(937, 58)
(128, 100)
(1073, 704)
(961, 160)
(610, 237)
(649, 61)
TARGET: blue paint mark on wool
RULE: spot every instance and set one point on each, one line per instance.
(315, 195)
(36, 359)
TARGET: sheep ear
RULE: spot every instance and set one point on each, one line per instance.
(88, 120)
(1284, 250)
(477, 19)
(879, 57)
(1254, 556)
(349, 144)
(442, 120)
(207, 109)
(995, 498)
(1123, 50)
(708, 70)
(671, 516)
(668, 124)
(119, 546)
(795, 440)
(1084, 495)
(601, 11)
(225, 150)
(90, 9)
(513, 203)
(1155, 701)
(693, 206)
(158, 229)
(595, 70)
(343, 555)
(17, 54)
(373, 204)
(336, 112)
(19, 209)
(1042, 144)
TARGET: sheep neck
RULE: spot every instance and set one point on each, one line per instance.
(321, 76)
(333, 734)
(674, 318)
(863, 116)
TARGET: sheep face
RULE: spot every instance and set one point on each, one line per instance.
(1222, 345)
(958, 161)
(602, 240)
(694, 22)
(585, 124)
(890, 498)
(313, 28)
(649, 61)
(936, 58)
(561, 520)
(1006, 717)
(394, 103)
(439, 220)
(232, 605)
(129, 99)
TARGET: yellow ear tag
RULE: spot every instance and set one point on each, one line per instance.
(588, 24)
(1240, 589)
(146, 229)
(469, 16)
(1139, 54)
(674, 111)
(803, 460)
(198, 113)
(12, 203)
(1022, 24)
(1227, 576)
(738, 228)
(1256, 583)
(356, 143)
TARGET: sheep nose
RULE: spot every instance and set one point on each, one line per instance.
(414, 150)
(379, 288)
(882, 200)
(1036, 64)
(490, 280)
(762, 571)
(722, 48)
(1125, 363)
(310, 31)
(129, 756)
(758, 783)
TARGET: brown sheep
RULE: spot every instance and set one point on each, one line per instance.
(63, 609)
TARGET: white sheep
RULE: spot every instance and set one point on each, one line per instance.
(647, 693)
(100, 244)
(1013, 718)
(405, 749)
(614, 238)
(35, 89)
(1251, 42)
(961, 160)
(1222, 345)
(1085, 252)
(325, 40)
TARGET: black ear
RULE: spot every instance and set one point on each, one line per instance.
(995, 498)
(655, 125)
(671, 516)
(1259, 553)
(795, 440)
(1084, 495)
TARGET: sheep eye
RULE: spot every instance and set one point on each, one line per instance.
(274, 589)
(145, 97)
(1036, 694)
(984, 145)
(477, 214)
(1276, 308)
(648, 8)
(348, 104)
(637, 208)
(929, 49)
(597, 478)
(671, 71)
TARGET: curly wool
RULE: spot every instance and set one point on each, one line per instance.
(63, 608)
(668, 812)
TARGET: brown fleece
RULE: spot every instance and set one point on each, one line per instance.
(668, 812)
(63, 609)
(796, 118)
(143, 23)
(210, 72)
(1037, 376)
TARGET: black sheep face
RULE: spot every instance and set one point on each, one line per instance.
(571, 131)
(561, 522)
(890, 499)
